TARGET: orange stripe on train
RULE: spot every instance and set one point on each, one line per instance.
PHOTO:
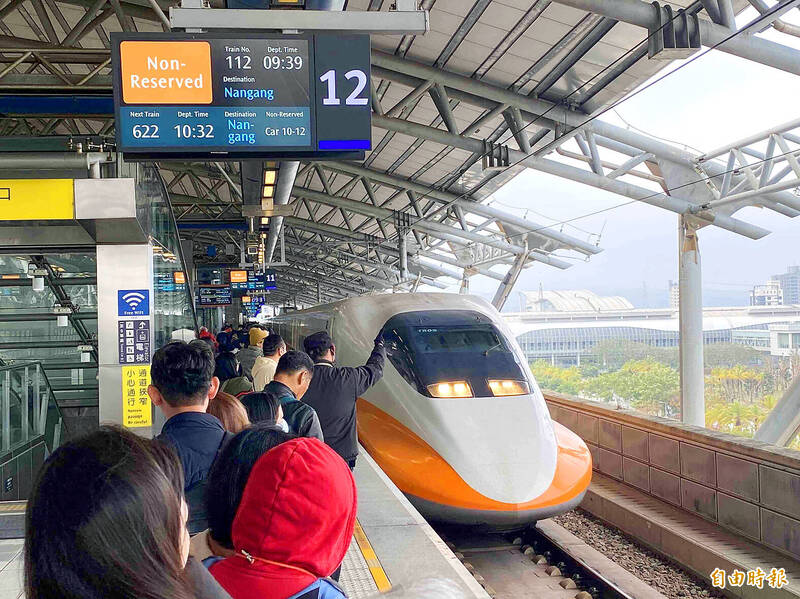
(417, 469)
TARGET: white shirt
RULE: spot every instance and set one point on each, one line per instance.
(263, 372)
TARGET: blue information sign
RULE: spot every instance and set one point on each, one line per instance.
(133, 302)
(133, 338)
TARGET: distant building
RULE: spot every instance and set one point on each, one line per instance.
(790, 285)
(569, 337)
(769, 294)
(674, 295)
(579, 300)
(784, 339)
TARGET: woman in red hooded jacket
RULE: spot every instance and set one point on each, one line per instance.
(293, 526)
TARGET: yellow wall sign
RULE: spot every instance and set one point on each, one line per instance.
(136, 410)
(37, 199)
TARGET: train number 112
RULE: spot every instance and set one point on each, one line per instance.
(354, 99)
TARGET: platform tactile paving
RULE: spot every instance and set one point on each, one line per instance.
(356, 579)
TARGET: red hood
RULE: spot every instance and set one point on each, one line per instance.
(299, 509)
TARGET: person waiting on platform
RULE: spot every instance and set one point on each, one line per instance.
(183, 381)
(292, 378)
(226, 483)
(293, 526)
(334, 390)
(264, 368)
(264, 408)
(225, 339)
(230, 412)
(107, 519)
(248, 355)
(230, 375)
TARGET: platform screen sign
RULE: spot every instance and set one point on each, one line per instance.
(212, 296)
(275, 95)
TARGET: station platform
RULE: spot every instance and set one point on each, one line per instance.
(393, 546)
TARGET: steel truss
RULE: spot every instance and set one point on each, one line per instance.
(357, 227)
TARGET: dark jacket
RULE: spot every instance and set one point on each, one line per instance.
(333, 393)
(197, 438)
(247, 357)
(295, 521)
(301, 418)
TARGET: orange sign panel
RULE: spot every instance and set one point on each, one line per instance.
(179, 277)
(166, 72)
(238, 276)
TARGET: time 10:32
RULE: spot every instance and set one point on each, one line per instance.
(194, 131)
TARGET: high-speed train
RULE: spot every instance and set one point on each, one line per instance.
(457, 422)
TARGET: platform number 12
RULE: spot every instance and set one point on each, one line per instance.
(354, 98)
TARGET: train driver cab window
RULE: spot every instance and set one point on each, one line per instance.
(454, 354)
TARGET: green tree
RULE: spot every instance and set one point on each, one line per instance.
(646, 385)
(738, 384)
(555, 378)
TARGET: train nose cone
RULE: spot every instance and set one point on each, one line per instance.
(504, 448)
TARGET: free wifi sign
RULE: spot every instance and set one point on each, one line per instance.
(133, 302)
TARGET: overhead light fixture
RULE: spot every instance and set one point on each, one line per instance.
(38, 283)
(86, 353)
(269, 177)
(62, 315)
(268, 191)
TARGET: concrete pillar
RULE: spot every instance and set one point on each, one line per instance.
(124, 312)
(693, 407)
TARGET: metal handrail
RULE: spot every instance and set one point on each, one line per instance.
(39, 412)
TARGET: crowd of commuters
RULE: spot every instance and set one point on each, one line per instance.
(259, 475)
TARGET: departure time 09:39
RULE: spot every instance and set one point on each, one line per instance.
(271, 62)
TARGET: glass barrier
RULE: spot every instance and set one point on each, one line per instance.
(173, 297)
(28, 408)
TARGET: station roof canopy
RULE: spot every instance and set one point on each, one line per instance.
(528, 78)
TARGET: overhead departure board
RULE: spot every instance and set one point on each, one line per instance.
(273, 96)
(210, 296)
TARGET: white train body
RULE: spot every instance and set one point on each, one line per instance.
(458, 421)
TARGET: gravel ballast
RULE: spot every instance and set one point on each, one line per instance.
(656, 571)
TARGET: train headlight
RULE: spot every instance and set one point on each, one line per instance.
(451, 389)
(504, 388)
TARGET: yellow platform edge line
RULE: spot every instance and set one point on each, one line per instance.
(373, 563)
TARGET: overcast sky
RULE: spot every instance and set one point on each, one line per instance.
(714, 100)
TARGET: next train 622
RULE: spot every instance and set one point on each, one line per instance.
(457, 422)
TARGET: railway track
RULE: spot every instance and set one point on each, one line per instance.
(533, 563)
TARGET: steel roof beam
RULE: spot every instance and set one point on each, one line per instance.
(749, 47)
(431, 227)
(575, 174)
(470, 206)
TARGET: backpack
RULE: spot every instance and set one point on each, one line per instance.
(322, 588)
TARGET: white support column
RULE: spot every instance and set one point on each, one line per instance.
(691, 326)
(402, 248)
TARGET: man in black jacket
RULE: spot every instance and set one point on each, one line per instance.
(290, 383)
(334, 390)
(183, 381)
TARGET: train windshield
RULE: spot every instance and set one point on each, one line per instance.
(471, 338)
(453, 354)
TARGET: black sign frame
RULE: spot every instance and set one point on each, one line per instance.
(335, 46)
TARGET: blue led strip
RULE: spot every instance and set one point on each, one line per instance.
(345, 144)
